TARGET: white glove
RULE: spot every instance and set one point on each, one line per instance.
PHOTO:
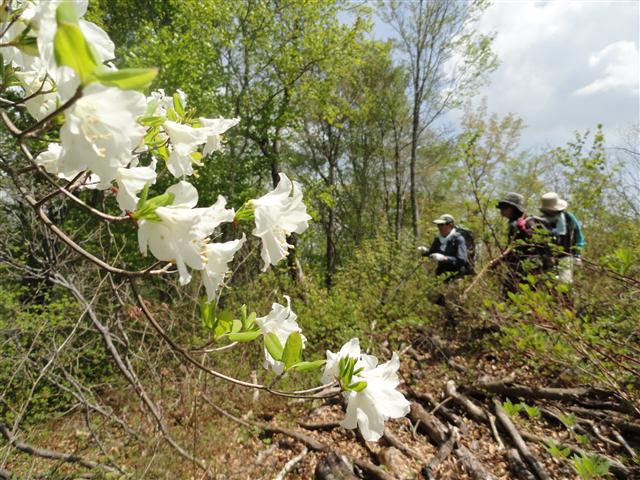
(422, 250)
(577, 260)
(438, 257)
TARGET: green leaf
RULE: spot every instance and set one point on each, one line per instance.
(148, 210)
(71, 49)
(556, 450)
(569, 419)
(126, 78)
(236, 326)
(28, 45)
(172, 115)
(251, 319)
(177, 104)
(273, 346)
(292, 352)
(151, 121)
(143, 197)
(244, 336)
(511, 409)
(308, 366)
(358, 386)
(207, 314)
(532, 411)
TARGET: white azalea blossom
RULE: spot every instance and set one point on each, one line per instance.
(179, 235)
(369, 408)
(278, 214)
(185, 140)
(350, 349)
(100, 131)
(215, 128)
(282, 322)
(34, 81)
(44, 21)
(11, 54)
(50, 158)
(131, 181)
(159, 102)
(216, 257)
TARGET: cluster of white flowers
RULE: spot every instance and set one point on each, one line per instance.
(110, 129)
(373, 398)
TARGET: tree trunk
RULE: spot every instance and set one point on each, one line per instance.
(412, 167)
(330, 226)
(398, 188)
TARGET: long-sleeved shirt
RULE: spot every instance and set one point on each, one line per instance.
(455, 251)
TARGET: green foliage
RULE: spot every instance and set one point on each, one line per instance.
(70, 47)
(533, 412)
(556, 450)
(30, 330)
(510, 408)
(127, 78)
(590, 467)
(568, 419)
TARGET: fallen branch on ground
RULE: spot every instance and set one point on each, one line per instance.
(51, 454)
(524, 451)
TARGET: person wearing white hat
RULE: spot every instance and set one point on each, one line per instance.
(527, 254)
(566, 232)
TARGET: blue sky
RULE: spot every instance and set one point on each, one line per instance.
(565, 66)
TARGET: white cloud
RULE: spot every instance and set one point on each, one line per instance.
(619, 63)
(549, 51)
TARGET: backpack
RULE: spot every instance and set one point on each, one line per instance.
(470, 242)
(578, 240)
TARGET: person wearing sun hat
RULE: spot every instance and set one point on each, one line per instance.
(527, 254)
(566, 232)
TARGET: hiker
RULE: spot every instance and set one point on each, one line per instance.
(529, 254)
(567, 234)
(449, 249)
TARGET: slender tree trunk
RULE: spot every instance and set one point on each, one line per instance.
(330, 221)
(399, 208)
(415, 126)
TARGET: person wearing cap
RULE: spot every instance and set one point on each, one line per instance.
(449, 249)
(528, 254)
(566, 232)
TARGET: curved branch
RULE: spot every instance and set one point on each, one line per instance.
(128, 372)
(51, 454)
(210, 371)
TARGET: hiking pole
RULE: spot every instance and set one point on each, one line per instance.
(402, 282)
(484, 270)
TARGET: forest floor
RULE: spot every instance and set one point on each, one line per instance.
(457, 429)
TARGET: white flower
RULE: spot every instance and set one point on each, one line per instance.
(216, 127)
(34, 81)
(350, 349)
(131, 181)
(44, 21)
(368, 409)
(282, 322)
(278, 214)
(179, 235)
(185, 141)
(158, 103)
(13, 55)
(100, 131)
(379, 400)
(217, 256)
(50, 158)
